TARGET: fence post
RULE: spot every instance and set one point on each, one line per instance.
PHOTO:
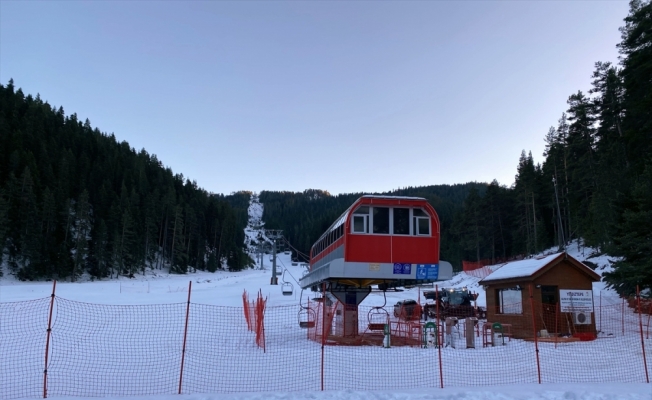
(557, 312)
(439, 341)
(622, 316)
(47, 343)
(323, 330)
(245, 305)
(647, 329)
(534, 330)
(640, 326)
(185, 334)
(600, 327)
(307, 316)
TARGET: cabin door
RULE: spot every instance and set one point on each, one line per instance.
(549, 300)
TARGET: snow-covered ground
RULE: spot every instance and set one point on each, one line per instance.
(225, 289)
(613, 391)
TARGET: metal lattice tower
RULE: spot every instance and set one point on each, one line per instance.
(274, 235)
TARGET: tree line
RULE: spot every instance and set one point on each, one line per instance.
(595, 182)
(304, 216)
(75, 201)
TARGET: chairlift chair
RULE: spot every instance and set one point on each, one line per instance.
(287, 289)
(307, 317)
(378, 317)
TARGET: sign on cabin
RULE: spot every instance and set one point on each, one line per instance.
(575, 300)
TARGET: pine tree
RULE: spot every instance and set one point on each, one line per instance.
(100, 257)
(634, 230)
(612, 164)
(636, 51)
(81, 234)
(48, 231)
(4, 222)
(582, 161)
(126, 259)
(178, 253)
(527, 202)
(633, 240)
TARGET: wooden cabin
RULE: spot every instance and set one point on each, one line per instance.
(561, 303)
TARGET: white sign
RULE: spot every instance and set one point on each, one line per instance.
(575, 300)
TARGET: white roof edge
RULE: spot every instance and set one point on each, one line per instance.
(380, 196)
(520, 269)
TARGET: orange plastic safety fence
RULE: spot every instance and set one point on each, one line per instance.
(107, 350)
(254, 313)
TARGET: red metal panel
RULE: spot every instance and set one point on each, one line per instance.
(415, 250)
(390, 249)
(368, 248)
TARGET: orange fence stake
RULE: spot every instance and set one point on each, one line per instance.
(640, 325)
(185, 335)
(534, 329)
(439, 338)
(47, 343)
(323, 330)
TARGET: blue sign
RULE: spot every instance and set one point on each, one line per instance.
(427, 271)
(403, 269)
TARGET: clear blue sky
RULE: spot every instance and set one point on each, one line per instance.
(334, 95)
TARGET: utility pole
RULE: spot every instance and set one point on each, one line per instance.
(274, 235)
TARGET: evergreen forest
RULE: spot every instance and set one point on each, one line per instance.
(595, 183)
(74, 200)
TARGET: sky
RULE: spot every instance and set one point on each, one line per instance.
(359, 96)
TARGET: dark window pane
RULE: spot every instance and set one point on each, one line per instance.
(362, 210)
(419, 213)
(381, 220)
(424, 226)
(401, 221)
(359, 224)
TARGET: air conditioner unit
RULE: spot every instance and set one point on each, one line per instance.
(581, 318)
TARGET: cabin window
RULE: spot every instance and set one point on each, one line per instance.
(509, 301)
(361, 220)
(381, 219)
(360, 223)
(421, 222)
(401, 221)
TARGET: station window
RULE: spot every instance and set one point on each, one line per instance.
(401, 221)
(381, 219)
(420, 223)
(361, 220)
(509, 301)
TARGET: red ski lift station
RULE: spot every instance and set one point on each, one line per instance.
(386, 242)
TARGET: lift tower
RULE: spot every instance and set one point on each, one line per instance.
(274, 235)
